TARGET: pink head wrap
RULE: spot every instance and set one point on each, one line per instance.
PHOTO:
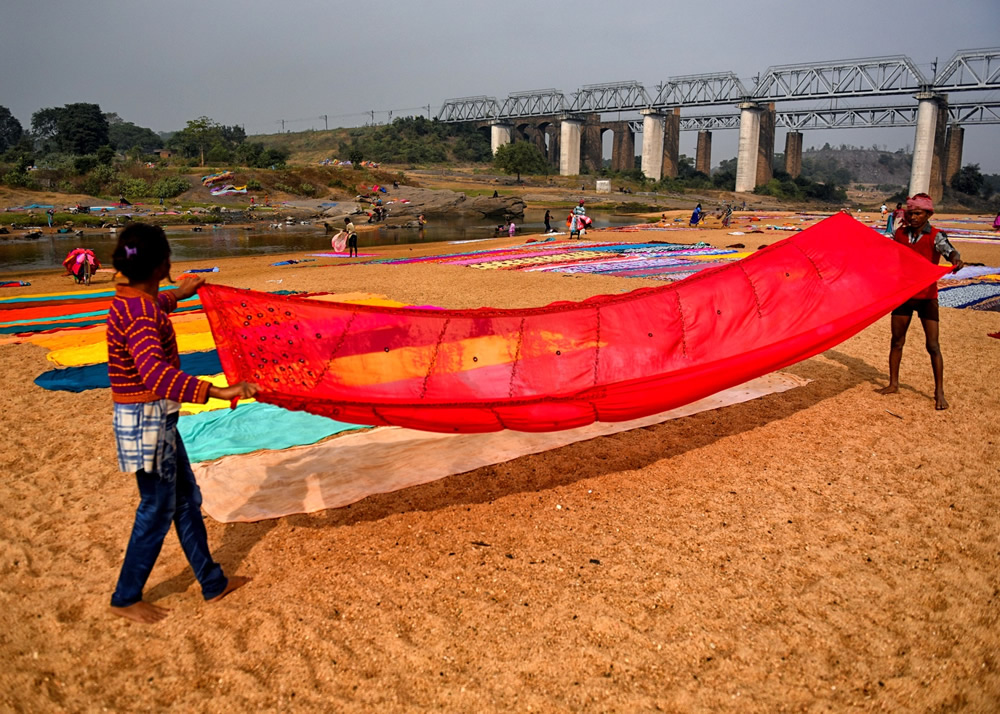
(921, 201)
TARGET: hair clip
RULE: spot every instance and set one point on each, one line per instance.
(130, 251)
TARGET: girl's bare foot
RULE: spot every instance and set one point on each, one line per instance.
(142, 612)
(891, 389)
(940, 403)
(235, 581)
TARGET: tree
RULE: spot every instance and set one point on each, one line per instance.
(45, 123)
(126, 135)
(82, 128)
(75, 128)
(198, 135)
(969, 180)
(203, 134)
(520, 157)
(10, 129)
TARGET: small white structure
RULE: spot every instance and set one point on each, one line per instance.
(604, 186)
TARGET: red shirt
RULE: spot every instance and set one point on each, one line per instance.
(926, 245)
(143, 361)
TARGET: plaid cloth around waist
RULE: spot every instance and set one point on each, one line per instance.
(142, 432)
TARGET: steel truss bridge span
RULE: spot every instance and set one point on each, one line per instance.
(967, 70)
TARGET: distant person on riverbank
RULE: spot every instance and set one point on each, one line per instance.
(576, 224)
(696, 215)
(996, 222)
(511, 229)
(895, 220)
(352, 238)
(928, 241)
(548, 221)
(727, 216)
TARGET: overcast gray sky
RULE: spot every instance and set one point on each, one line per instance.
(255, 63)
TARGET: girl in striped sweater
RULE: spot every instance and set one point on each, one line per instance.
(147, 387)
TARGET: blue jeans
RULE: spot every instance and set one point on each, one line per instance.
(169, 496)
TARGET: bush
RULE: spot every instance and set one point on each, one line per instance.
(84, 164)
(18, 179)
(104, 174)
(90, 186)
(285, 188)
(254, 185)
(133, 187)
(169, 187)
(307, 189)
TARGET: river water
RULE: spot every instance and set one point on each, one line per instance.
(48, 252)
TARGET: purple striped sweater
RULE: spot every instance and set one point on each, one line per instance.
(143, 361)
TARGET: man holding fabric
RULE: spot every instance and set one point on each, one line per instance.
(917, 233)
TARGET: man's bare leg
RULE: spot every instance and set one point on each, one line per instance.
(931, 328)
(235, 581)
(900, 324)
(142, 612)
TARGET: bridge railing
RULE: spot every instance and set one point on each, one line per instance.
(846, 78)
(970, 69)
(700, 90)
(967, 70)
(538, 102)
(610, 97)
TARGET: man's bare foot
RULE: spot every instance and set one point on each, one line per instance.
(142, 612)
(235, 581)
(940, 403)
(891, 389)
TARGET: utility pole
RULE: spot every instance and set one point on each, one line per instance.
(373, 117)
(428, 111)
(282, 126)
(326, 125)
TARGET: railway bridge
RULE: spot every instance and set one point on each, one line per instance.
(861, 93)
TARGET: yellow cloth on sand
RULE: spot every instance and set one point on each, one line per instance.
(219, 380)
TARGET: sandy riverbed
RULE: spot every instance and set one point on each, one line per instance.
(804, 551)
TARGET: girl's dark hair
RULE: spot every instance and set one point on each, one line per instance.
(141, 249)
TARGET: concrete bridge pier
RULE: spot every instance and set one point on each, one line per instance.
(953, 152)
(535, 135)
(746, 154)
(592, 157)
(623, 148)
(500, 134)
(652, 144)
(765, 146)
(925, 142)
(671, 143)
(553, 131)
(940, 161)
(703, 156)
(570, 133)
(793, 153)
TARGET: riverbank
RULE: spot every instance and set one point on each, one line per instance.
(825, 547)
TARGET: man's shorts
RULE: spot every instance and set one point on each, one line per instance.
(927, 308)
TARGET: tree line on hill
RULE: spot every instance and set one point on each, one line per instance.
(78, 147)
(79, 141)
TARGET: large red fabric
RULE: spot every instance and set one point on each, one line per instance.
(608, 358)
(925, 247)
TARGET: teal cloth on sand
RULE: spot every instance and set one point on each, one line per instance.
(251, 427)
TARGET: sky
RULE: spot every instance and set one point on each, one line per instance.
(256, 63)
